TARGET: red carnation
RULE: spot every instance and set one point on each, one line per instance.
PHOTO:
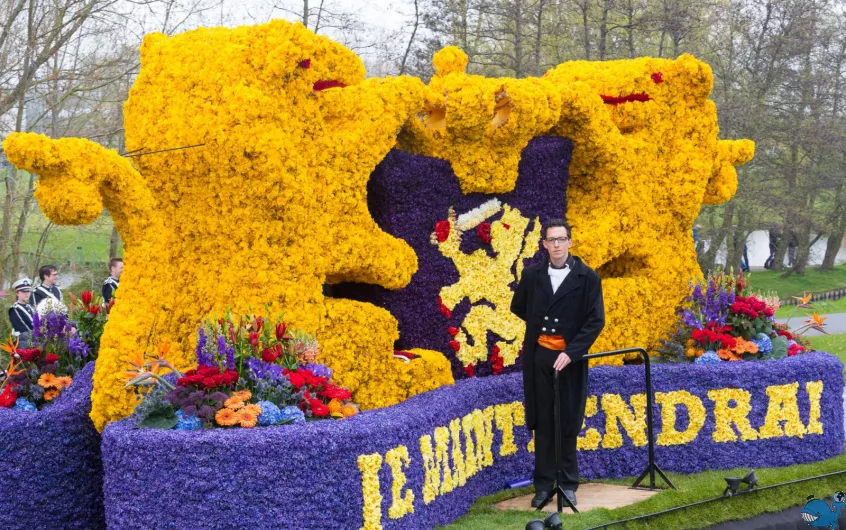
(442, 230)
(297, 380)
(318, 409)
(209, 382)
(305, 63)
(87, 296)
(455, 345)
(445, 311)
(484, 232)
(8, 397)
(452, 331)
(657, 78)
(30, 354)
(51, 358)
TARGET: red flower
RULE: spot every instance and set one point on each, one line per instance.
(51, 358)
(506, 226)
(259, 322)
(657, 78)
(484, 232)
(452, 331)
(296, 379)
(455, 345)
(254, 339)
(335, 392)
(495, 350)
(209, 382)
(305, 63)
(8, 397)
(268, 355)
(30, 354)
(469, 370)
(785, 333)
(280, 331)
(768, 312)
(442, 230)
(318, 409)
(110, 306)
(445, 311)
(795, 349)
(87, 296)
(94, 309)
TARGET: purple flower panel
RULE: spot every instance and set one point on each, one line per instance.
(407, 194)
(52, 471)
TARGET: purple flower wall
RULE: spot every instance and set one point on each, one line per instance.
(52, 474)
(407, 194)
(307, 476)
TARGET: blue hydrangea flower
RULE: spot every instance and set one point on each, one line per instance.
(292, 413)
(24, 405)
(708, 357)
(765, 344)
(270, 413)
(187, 423)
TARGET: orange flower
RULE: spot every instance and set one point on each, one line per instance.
(226, 417)
(11, 346)
(349, 410)
(51, 394)
(64, 382)
(728, 355)
(745, 346)
(48, 381)
(335, 406)
(247, 418)
(252, 408)
(233, 403)
(243, 395)
(804, 300)
(816, 320)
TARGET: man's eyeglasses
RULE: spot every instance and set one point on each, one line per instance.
(556, 240)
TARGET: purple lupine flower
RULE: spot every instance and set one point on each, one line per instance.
(221, 347)
(57, 325)
(203, 357)
(262, 370)
(37, 331)
(230, 358)
(320, 370)
(78, 347)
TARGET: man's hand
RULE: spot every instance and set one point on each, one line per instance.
(562, 361)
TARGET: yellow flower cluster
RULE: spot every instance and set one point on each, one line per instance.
(479, 124)
(369, 466)
(402, 502)
(265, 199)
(265, 204)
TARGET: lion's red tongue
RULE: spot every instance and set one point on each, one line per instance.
(617, 100)
(323, 85)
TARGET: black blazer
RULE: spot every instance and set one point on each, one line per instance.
(576, 311)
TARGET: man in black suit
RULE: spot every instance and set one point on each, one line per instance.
(560, 300)
(49, 275)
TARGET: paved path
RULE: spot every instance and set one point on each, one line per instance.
(834, 324)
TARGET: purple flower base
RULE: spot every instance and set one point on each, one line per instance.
(307, 476)
(52, 474)
(407, 194)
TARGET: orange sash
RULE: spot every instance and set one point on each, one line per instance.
(552, 342)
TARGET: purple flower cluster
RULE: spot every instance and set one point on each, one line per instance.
(407, 194)
(712, 305)
(240, 474)
(52, 470)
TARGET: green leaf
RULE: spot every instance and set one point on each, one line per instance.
(163, 418)
(779, 348)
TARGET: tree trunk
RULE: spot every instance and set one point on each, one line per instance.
(114, 241)
(538, 38)
(585, 7)
(709, 257)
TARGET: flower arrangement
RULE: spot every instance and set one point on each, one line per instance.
(37, 376)
(89, 314)
(249, 372)
(721, 320)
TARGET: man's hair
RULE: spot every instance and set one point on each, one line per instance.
(557, 223)
(46, 270)
(113, 262)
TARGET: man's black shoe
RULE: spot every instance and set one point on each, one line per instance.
(571, 495)
(539, 497)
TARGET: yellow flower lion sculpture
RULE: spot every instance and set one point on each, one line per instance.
(267, 202)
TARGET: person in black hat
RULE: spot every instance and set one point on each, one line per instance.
(111, 283)
(560, 299)
(21, 312)
(49, 275)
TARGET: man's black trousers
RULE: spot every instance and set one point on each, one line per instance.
(572, 383)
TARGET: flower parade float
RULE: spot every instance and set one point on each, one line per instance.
(391, 220)
(53, 472)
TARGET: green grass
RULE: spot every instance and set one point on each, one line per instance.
(833, 344)
(692, 488)
(822, 307)
(814, 281)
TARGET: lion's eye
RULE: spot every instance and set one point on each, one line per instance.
(305, 63)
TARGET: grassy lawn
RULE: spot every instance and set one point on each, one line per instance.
(822, 307)
(833, 344)
(814, 281)
(692, 488)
